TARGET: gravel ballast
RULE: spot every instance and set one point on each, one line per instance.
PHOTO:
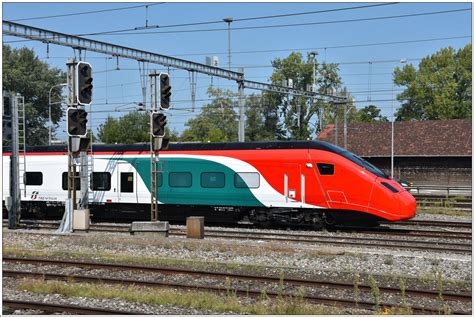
(295, 259)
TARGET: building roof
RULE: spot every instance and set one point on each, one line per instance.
(411, 138)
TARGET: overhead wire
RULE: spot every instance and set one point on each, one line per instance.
(220, 21)
(87, 12)
(286, 25)
(328, 46)
(269, 26)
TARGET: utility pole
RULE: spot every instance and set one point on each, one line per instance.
(345, 125)
(154, 153)
(241, 112)
(402, 61)
(336, 132)
(143, 68)
(228, 21)
(13, 203)
(73, 144)
(192, 81)
(392, 138)
(313, 86)
(160, 93)
(79, 87)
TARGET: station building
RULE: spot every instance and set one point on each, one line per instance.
(437, 152)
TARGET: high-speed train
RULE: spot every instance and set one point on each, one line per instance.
(289, 182)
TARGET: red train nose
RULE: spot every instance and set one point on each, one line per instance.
(407, 205)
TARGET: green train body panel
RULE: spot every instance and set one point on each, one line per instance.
(228, 195)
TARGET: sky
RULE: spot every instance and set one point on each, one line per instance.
(366, 70)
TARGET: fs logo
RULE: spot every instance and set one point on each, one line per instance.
(34, 194)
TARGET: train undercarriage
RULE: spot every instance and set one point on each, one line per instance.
(315, 219)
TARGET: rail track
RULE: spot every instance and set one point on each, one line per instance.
(342, 241)
(432, 223)
(464, 297)
(284, 236)
(61, 308)
(383, 230)
(457, 203)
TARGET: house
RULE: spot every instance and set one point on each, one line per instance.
(425, 152)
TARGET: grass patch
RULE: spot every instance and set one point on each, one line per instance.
(192, 299)
(397, 311)
(443, 211)
(134, 259)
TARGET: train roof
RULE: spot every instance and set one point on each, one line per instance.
(193, 146)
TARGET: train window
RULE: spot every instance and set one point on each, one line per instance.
(160, 179)
(325, 169)
(101, 181)
(180, 179)
(34, 178)
(77, 181)
(247, 180)
(213, 180)
(390, 187)
(126, 182)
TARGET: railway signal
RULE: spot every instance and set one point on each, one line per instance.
(158, 123)
(76, 122)
(165, 91)
(84, 83)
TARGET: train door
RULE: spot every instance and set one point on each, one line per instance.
(294, 184)
(126, 183)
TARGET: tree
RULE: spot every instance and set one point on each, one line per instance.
(25, 74)
(217, 121)
(441, 88)
(297, 111)
(262, 122)
(133, 127)
(370, 113)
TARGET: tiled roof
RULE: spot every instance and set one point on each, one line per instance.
(411, 138)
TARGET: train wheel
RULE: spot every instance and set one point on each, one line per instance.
(329, 219)
(317, 223)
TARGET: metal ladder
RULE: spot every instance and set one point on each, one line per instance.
(90, 171)
(154, 158)
(20, 102)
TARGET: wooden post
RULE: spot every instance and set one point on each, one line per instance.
(195, 227)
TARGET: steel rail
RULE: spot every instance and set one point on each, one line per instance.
(423, 245)
(210, 288)
(124, 227)
(304, 237)
(237, 276)
(433, 223)
(314, 238)
(58, 308)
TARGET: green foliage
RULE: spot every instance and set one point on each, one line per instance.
(356, 288)
(262, 121)
(133, 127)
(369, 113)
(217, 121)
(192, 299)
(440, 89)
(297, 111)
(25, 74)
(375, 292)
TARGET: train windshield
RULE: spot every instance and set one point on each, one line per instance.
(358, 160)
